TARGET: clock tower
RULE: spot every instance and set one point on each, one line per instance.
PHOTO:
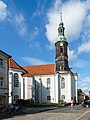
(61, 49)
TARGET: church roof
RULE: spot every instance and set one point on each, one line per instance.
(47, 69)
(14, 65)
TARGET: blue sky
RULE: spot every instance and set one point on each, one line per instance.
(28, 31)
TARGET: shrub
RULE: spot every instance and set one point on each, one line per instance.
(60, 102)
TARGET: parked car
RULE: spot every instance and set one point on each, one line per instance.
(86, 103)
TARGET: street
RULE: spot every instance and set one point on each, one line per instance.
(53, 113)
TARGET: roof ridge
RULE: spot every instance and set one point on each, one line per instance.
(38, 65)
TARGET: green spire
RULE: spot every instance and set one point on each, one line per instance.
(61, 36)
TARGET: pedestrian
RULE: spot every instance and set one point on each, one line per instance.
(72, 104)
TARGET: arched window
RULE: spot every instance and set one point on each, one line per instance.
(62, 67)
(63, 97)
(16, 97)
(16, 80)
(48, 83)
(62, 83)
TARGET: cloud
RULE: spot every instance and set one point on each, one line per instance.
(85, 85)
(85, 47)
(50, 46)
(71, 55)
(74, 15)
(80, 63)
(3, 11)
(34, 33)
(40, 9)
(20, 24)
(87, 80)
(33, 61)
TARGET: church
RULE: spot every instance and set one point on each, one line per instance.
(42, 83)
(52, 82)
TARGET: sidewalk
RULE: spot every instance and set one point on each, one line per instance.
(40, 109)
(85, 116)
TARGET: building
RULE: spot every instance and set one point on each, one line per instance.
(16, 81)
(4, 81)
(54, 82)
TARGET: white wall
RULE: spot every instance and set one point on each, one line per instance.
(70, 90)
(67, 90)
(41, 91)
(16, 90)
(28, 87)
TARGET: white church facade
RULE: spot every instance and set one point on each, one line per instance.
(44, 83)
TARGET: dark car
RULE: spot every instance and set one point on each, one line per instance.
(86, 103)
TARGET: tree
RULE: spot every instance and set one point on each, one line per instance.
(79, 91)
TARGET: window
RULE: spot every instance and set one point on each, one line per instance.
(48, 97)
(48, 83)
(61, 49)
(1, 62)
(16, 80)
(16, 97)
(23, 88)
(62, 83)
(1, 81)
(63, 97)
(62, 67)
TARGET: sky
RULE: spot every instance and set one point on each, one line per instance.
(29, 30)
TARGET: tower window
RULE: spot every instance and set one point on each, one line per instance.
(62, 83)
(62, 67)
(61, 49)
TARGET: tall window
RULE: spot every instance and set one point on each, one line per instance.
(48, 83)
(1, 62)
(1, 81)
(23, 88)
(16, 80)
(62, 83)
(16, 97)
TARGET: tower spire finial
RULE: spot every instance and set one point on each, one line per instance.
(60, 16)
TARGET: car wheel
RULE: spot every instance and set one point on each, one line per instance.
(87, 106)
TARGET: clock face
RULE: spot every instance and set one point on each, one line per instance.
(61, 44)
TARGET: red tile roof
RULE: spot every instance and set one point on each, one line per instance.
(47, 69)
(14, 65)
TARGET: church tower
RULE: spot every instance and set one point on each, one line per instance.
(61, 49)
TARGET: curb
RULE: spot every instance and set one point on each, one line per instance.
(83, 115)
